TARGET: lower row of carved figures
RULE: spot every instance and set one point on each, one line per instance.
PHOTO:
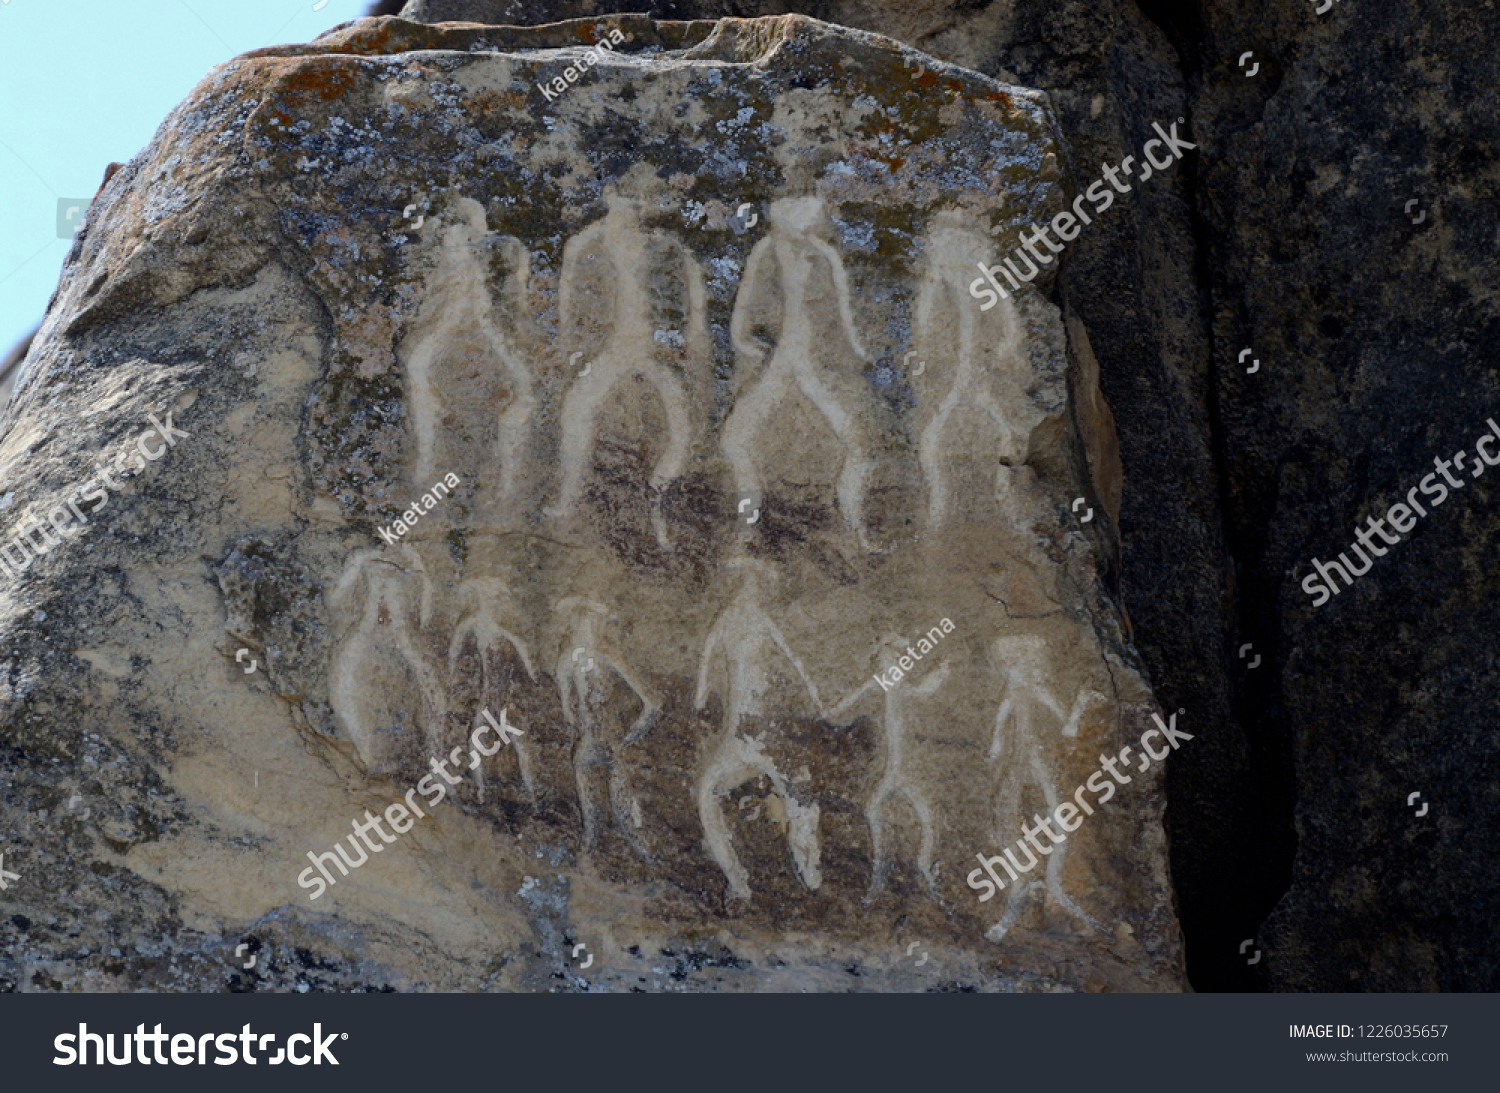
(384, 606)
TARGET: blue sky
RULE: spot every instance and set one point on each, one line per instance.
(85, 82)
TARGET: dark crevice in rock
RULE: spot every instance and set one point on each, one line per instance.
(1182, 24)
(1218, 903)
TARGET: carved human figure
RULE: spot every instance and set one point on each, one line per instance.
(985, 348)
(895, 779)
(796, 291)
(452, 356)
(381, 604)
(748, 641)
(612, 273)
(585, 658)
(485, 612)
(1024, 665)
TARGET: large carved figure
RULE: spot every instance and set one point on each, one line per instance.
(981, 348)
(613, 273)
(749, 642)
(457, 354)
(795, 291)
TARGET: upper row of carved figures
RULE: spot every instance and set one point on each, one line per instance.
(632, 301)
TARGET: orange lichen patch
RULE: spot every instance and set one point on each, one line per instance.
(491, 101)
(109, 173)
(327, 78)
(385, 36)
(1001, 97)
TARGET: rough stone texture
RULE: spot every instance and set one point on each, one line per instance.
(1380, 335)
(1286, 232)
(1135, 278)
(353, 269)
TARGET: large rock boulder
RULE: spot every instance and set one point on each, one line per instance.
(584, 450)
(1290, 232)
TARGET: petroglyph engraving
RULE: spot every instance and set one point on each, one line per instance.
(986, 350)
(381, 604)
(896, 779)
(583, 692)
(749, 643)
(628, 297)
(793, 312)
(1024, 663)
(457, 355)
(483, 603)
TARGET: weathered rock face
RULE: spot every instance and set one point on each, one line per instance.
(1288, 232)
(599, 450)
(1137, 278)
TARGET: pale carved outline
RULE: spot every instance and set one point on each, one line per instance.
(459, 288)
(783, 259)
(482, 601)
(951, 248)
(893, 781)
(625, 245)
(573, 680)
(1021, 660)
(386, 584)
(741, 633)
